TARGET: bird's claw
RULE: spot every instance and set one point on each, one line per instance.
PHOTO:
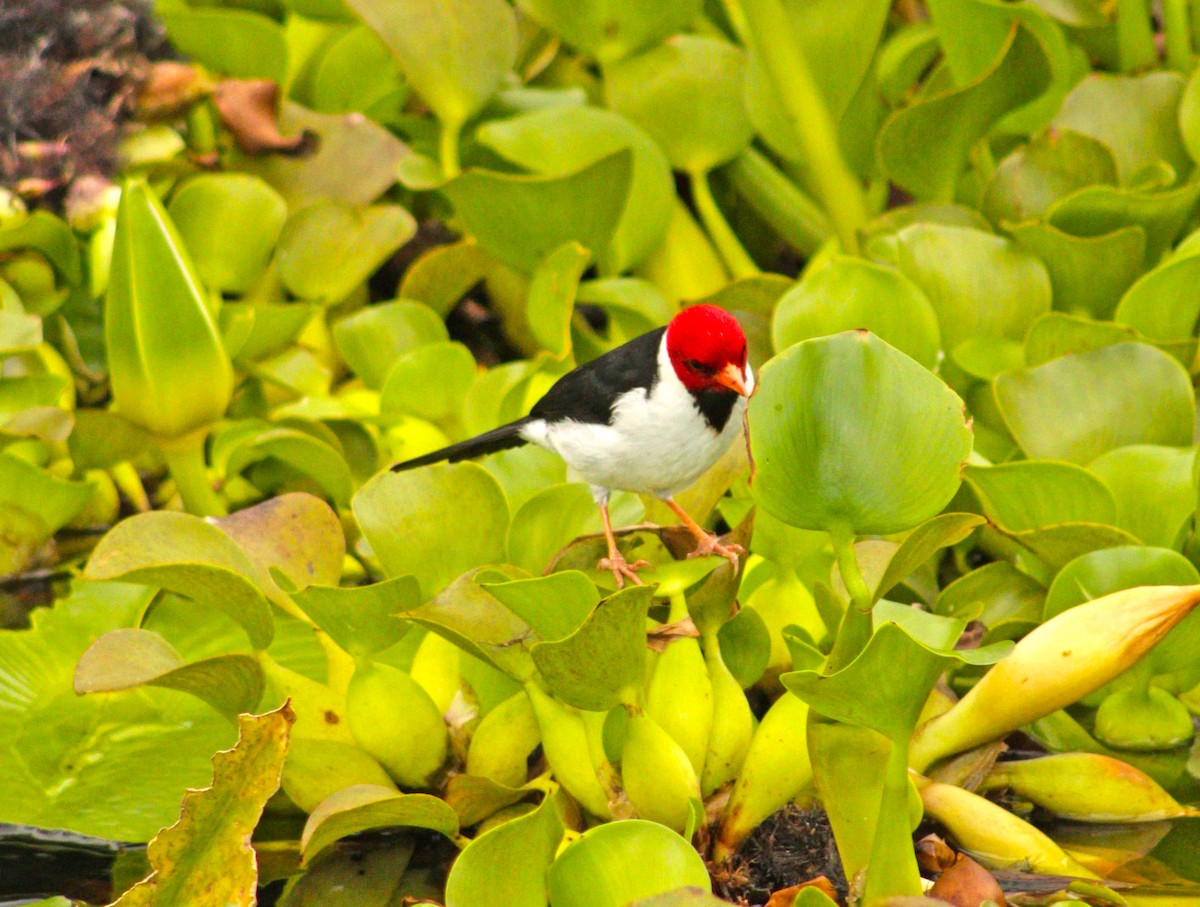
(622, 569)
(710, 544)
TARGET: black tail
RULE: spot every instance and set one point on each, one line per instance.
(501, 438)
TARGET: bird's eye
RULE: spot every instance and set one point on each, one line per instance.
(697, 366)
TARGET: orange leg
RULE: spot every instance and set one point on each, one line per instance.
(621, 568)
(706, 542)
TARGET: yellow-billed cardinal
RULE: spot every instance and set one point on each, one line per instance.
(650, 417)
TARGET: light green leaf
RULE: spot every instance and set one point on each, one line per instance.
(1098, 210)
(304, 453)
(237, 43)
(1031, 494)
(1153, 489)
(555, 605)
(1163, 305)
(364, 807)
(874, 445)
(430, 382)
(41, 502)
(611, 29)
(547, 522)
(1051, 165)
(361, 619)
(399, 511)
(1078, 407)
(552, 297)
(374, 337)
(926, 540)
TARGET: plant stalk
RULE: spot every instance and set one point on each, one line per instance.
(732, 252)
(893, 871)
(1135, 39)
(1177, 26)
(448, 148)
(855, 629)
(772, 37)
(781, 203)
(185, 460)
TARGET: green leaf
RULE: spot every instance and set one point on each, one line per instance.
(843, 293)
(925, 147)
(42, 502)
(19, 333)
(612, 29)
(1087, 273)
(551, 300)
(1153, 488)
(443, 275)
(359, 74)
(170, 375)
(374, 337)
(1031, 494)
(229, 223)
(354, 163)
(603, 663)
(1056, 335)
(926, 540)
(1135, 116)
(361, 619)
(549, 520)
(874, 445)
(455, 53)
(555, 606)
(559, 141)
(317, 769)
(1098, 210)
(209, 849)
(508, 864)
(945, 262)
(522, 219)
(1078, 407)
(363, 807)
(1162, 305)
(50, 235)
(614, 864)
(233, 42)
(189, 556)
(127, 658)
(430, 382)
(304, 453)
(1051, 165)
(1008, 601)
(329, 248)
(687, 95)
(434, 523)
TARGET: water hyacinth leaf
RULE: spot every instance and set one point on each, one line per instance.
(189, 556)
(444, 274)
(56, 500)
(229, 223)
(1098, 210)
(316, 769)
(454, 53)
(558, 141)
(1031, 494)
(547, 522)
(19, 333)
(621, 862)
(603, 663)
(367, 876)
(945, 263)
(687, 95)
(127, 658)
(354, 162)
(363, 807)
(43, 232)
(1087, 273)
(474, 798)
(328, 248)
(374, 337)
(430, 382)
(359, 74)
(1153, 488)
(816, 467)
(508, 864)
(555, 605)
(307, 455)
(522, 219)
(1008, 601)
(845, 293)
(361, 619)
(170, 375)
(237, 43)
(1059, 334)
(551, 301)
(398, 510)
(1135, 116)
(1162, 305)
(1053, 164)
(209, 849)
(612, 29)
(926, 540)
(924, 147)
(1078, 407)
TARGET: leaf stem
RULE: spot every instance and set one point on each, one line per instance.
(185, 460)
(1135, 40)
(448, 148)
(855, 629)
(1178, 29)
(771, 36)
(735, 256)
(893, 871)
(781, 203)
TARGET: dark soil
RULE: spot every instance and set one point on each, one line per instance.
(793, 846)
(69, 74)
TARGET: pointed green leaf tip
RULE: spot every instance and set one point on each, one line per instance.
(170, 374)
(206, 857)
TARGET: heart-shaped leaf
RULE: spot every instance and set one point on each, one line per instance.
(361, 619)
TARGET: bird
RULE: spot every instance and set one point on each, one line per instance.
(649, 416)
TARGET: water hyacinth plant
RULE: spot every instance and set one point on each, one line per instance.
(959, 237)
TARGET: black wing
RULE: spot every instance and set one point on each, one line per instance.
(587, 393)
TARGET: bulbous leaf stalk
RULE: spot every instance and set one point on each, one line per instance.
(1057, 664)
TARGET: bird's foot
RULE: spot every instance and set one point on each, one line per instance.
(709, 544)
(622, 569)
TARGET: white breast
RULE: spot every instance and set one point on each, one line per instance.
(658, 443)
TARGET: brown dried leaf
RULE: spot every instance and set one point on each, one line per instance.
(250, 111)
(967, 884)
(786, 897)
(934, 855)
(170, 89)
(663, 635)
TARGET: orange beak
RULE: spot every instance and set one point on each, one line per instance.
(731, 377)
